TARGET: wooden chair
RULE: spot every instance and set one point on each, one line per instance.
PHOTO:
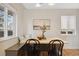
(33, 45)
(55, 47)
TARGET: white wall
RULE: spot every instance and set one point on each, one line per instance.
(54, 16)
(8, 43)
(20, 16)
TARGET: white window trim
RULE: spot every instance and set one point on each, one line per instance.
(74, 33)
(5, 33)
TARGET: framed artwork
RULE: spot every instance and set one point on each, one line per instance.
(37, 23)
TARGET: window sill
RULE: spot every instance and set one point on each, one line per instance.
(5, 39)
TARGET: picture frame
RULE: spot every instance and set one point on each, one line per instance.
(37, 23)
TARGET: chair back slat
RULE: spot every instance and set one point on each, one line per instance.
(56, 47)
(32, 44)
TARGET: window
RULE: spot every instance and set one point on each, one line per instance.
(7, 22)
(10, 23)
(68, 24)
(1, 21)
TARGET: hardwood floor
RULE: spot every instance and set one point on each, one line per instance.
(66, 52)
(71, 52)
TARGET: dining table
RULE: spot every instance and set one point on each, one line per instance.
(43, 47)
(23, 48)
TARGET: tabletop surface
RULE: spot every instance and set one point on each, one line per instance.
(15, 47)
(21, 44)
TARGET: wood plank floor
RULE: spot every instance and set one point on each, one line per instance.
(66, 52)
(71, 52)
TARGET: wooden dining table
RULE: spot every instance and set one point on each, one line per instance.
(22, 48)
(43, 47)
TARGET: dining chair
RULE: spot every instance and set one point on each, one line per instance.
(55, 47)
(33, 46)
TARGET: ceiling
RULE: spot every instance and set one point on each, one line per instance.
(56, 6)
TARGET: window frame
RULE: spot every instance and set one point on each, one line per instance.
(6, 8)
(69, 30)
